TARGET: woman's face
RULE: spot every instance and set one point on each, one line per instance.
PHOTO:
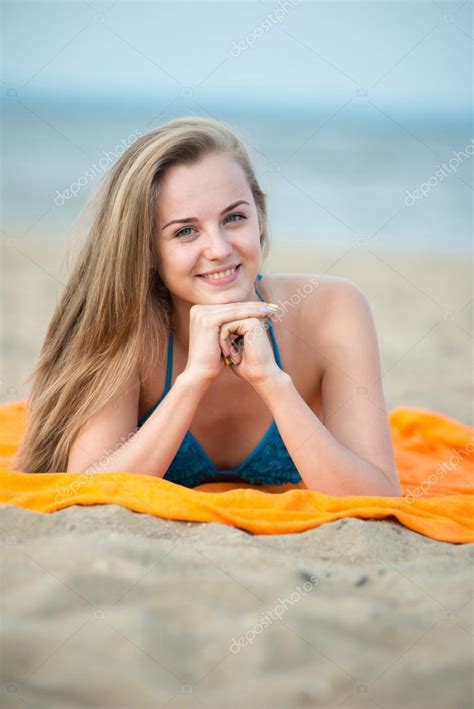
(204, 234)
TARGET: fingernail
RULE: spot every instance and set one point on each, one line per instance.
(267, 309)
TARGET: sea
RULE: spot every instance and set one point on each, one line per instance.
(334, 174)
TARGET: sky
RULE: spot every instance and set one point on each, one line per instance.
(345, 105)
(414, 55)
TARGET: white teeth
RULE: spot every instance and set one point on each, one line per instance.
(222, 274)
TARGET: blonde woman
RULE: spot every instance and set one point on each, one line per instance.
(160, 360)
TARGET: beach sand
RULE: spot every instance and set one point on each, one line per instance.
(104, 607)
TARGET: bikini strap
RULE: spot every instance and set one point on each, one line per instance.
(259, 278)
(169, 362)
(270, 327)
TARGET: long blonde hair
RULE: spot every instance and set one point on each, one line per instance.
(114, 314)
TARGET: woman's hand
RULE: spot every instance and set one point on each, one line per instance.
(207, 346)
(251, 349)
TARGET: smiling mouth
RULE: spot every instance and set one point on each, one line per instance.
(215, 277)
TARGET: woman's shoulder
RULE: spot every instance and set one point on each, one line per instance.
(318, 294)
(316, 303)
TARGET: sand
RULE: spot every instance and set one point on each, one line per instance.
(107, 608)
(104, 607)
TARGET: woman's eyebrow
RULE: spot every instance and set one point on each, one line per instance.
(195, 219)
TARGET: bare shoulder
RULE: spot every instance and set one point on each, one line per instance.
(332, 315)
(320, 299)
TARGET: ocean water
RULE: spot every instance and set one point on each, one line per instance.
(335, 176)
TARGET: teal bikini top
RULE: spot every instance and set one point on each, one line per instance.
(268, 464)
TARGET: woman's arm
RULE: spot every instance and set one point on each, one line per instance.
(351, 453)
(148, 450)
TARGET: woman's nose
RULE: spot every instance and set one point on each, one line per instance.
(217, 244)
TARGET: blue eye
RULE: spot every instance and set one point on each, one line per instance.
(236, 215)
(180, 234)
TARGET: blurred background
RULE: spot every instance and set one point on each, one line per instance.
(358, 117)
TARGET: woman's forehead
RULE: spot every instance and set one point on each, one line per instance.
(211, 184)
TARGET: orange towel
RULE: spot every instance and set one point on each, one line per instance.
(435, 462)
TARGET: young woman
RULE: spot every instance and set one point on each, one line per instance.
(159, 359)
